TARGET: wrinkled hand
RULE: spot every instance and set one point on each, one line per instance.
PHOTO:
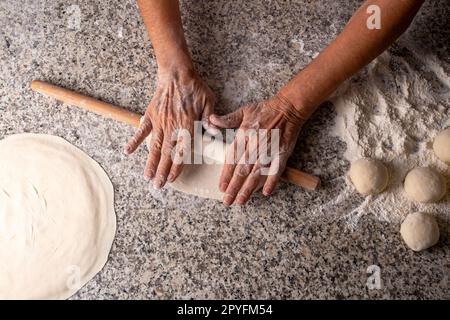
(240, 178)
(180, 99)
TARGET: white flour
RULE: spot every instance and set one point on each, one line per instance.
(392, 113)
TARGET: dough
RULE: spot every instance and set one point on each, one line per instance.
(202, 179)
(441, 146)
(419, 231)
(57, 220)
(368, 176)
(424, 184)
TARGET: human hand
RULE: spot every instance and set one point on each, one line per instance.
(180, 99)
(240, 177)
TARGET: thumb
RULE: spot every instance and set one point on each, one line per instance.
(231, 120)
(209, 127)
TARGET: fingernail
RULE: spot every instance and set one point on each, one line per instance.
(146, 177)
(240, 200)
(223, 187)
(157, 184)
(267, 191)
(171, 177)
(227, 200)
(126, 150)
(149, 175)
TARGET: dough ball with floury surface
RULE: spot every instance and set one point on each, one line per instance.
(424, 184)
(441, 146)
(368, 176)
(420, 231)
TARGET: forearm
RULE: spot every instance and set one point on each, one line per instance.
(163, 23)
(354, 48)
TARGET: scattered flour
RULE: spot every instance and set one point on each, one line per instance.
(300, 44)
(120, 32)
(239, 88)
(392, 112)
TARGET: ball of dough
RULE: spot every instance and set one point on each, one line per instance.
(419, 231)
(368, 176)
(424, 184)
(441, 146)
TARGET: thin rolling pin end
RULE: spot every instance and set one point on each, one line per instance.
(301, 179)
(35, 85)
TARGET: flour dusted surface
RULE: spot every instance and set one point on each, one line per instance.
(392, 113)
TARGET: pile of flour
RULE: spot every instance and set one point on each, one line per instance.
(392, 112)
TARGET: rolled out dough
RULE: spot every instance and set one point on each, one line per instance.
(57, 220)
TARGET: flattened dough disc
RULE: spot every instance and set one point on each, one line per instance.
(57, 220)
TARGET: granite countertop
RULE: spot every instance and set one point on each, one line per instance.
(171, 245)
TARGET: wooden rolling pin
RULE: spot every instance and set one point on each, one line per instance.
(291, 175)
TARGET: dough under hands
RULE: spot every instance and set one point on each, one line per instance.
(202, 179)
(423, 184)
(419, 231)
(57, 220)
(368, 176)
(441, 146)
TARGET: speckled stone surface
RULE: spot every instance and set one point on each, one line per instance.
(170, 245)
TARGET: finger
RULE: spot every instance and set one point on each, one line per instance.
(250, 185)
(240, 174)
(231, 120)
(275, 171)
(207, 112)
(182, 149)
(225, 176)
(154, 154)
(233, 154)
(243, 168)
(165, 163)
(139, 136)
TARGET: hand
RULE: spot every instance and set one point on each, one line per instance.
(180, 99)
(240, 178)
